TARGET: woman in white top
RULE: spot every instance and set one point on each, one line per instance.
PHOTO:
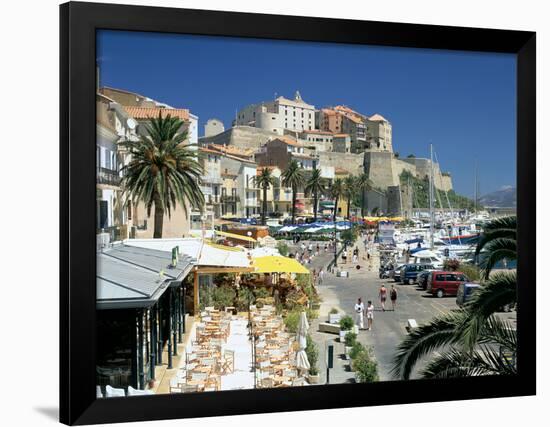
(370, 315)
(359, 309)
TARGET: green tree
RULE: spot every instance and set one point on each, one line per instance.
(264, 180)
(163, 170)
(293, 177)
(315, 187)
(364, 184)
(350, 189)
(336, 191)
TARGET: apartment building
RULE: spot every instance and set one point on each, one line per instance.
(277, 115)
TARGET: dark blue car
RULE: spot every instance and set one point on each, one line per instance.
(410, 272)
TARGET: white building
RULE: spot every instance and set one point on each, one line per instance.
(278, 115)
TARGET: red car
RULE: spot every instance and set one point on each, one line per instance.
(445, 283)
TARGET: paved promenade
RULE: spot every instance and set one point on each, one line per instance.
(388, 327)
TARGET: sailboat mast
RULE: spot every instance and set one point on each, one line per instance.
(475, 190)
(431, 192)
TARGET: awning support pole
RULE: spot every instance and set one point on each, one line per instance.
(196, 308)
(169, 320)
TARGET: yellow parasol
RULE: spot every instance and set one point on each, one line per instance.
(278, 264)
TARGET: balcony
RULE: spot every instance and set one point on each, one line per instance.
(108, 177)
(230, 199)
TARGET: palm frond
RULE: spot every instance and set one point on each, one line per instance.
(442, 331)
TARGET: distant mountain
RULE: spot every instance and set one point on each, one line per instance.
(503, 198)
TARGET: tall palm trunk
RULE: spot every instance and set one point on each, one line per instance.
(159, 218)
(349, 205)
(315, 200)
(335, 210)
(264, 206)
(363, 204)
(293, 205)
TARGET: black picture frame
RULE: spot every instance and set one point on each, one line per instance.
(78, 25)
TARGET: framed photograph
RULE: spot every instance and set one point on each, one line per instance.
(298, 212)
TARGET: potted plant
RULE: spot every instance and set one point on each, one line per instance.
(334, 316)
(312, 353)
(365, 367)
(356, 349)
(349, 341)
(346, 323)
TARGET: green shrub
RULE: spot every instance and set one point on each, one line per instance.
(346, 323)
(312, 353)
(261, 293)
(223, 296)
(291, 321)
(356, 349)
(365, 366)
(312, 314)
(471, 271)
(350, 339)
(283, 248)
(333, 310)
(245, 296)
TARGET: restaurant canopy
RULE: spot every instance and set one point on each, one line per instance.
(278, 264)
(207, 255)
(235, 236)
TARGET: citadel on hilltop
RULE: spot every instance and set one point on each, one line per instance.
(329, 138)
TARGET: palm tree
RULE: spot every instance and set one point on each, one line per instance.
(364, 184)
(264, 180)
(163, 171)
(293, 177)
(315, 186)
(350, 190)
(498, 241)
(468, 339)
(336, 191)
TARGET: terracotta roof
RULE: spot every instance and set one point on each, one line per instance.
(150, 113)
(377, 118)
(208, 150)
(340, 171)
(354, 119)
(289, 141)
(230, 149)
(329, 112)
(320, 132)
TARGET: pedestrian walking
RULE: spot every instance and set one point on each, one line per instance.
(393, 297)
(383, 293)
(321, 274)
(355, 258)
(359, 309)
(344, 257)
(370, 315)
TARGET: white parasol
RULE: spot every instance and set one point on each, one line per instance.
(302, 363)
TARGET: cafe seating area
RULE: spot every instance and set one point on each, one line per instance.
(207, 357)
(274, 350)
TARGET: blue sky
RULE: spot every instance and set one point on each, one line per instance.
(463, 103)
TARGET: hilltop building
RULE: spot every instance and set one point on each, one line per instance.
(279, 114)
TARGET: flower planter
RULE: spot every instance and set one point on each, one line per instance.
(346, 352)
(343, 335)
(313, 379)
(334, 318)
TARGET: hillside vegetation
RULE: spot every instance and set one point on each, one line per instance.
(421, 195)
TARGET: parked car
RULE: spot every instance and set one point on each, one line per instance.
(410, 272)
(396, 273)
(465, 293)
(445, 283)
(422, 279)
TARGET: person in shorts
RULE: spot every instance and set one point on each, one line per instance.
(382, 294)
(393, 297)
(370, 315)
